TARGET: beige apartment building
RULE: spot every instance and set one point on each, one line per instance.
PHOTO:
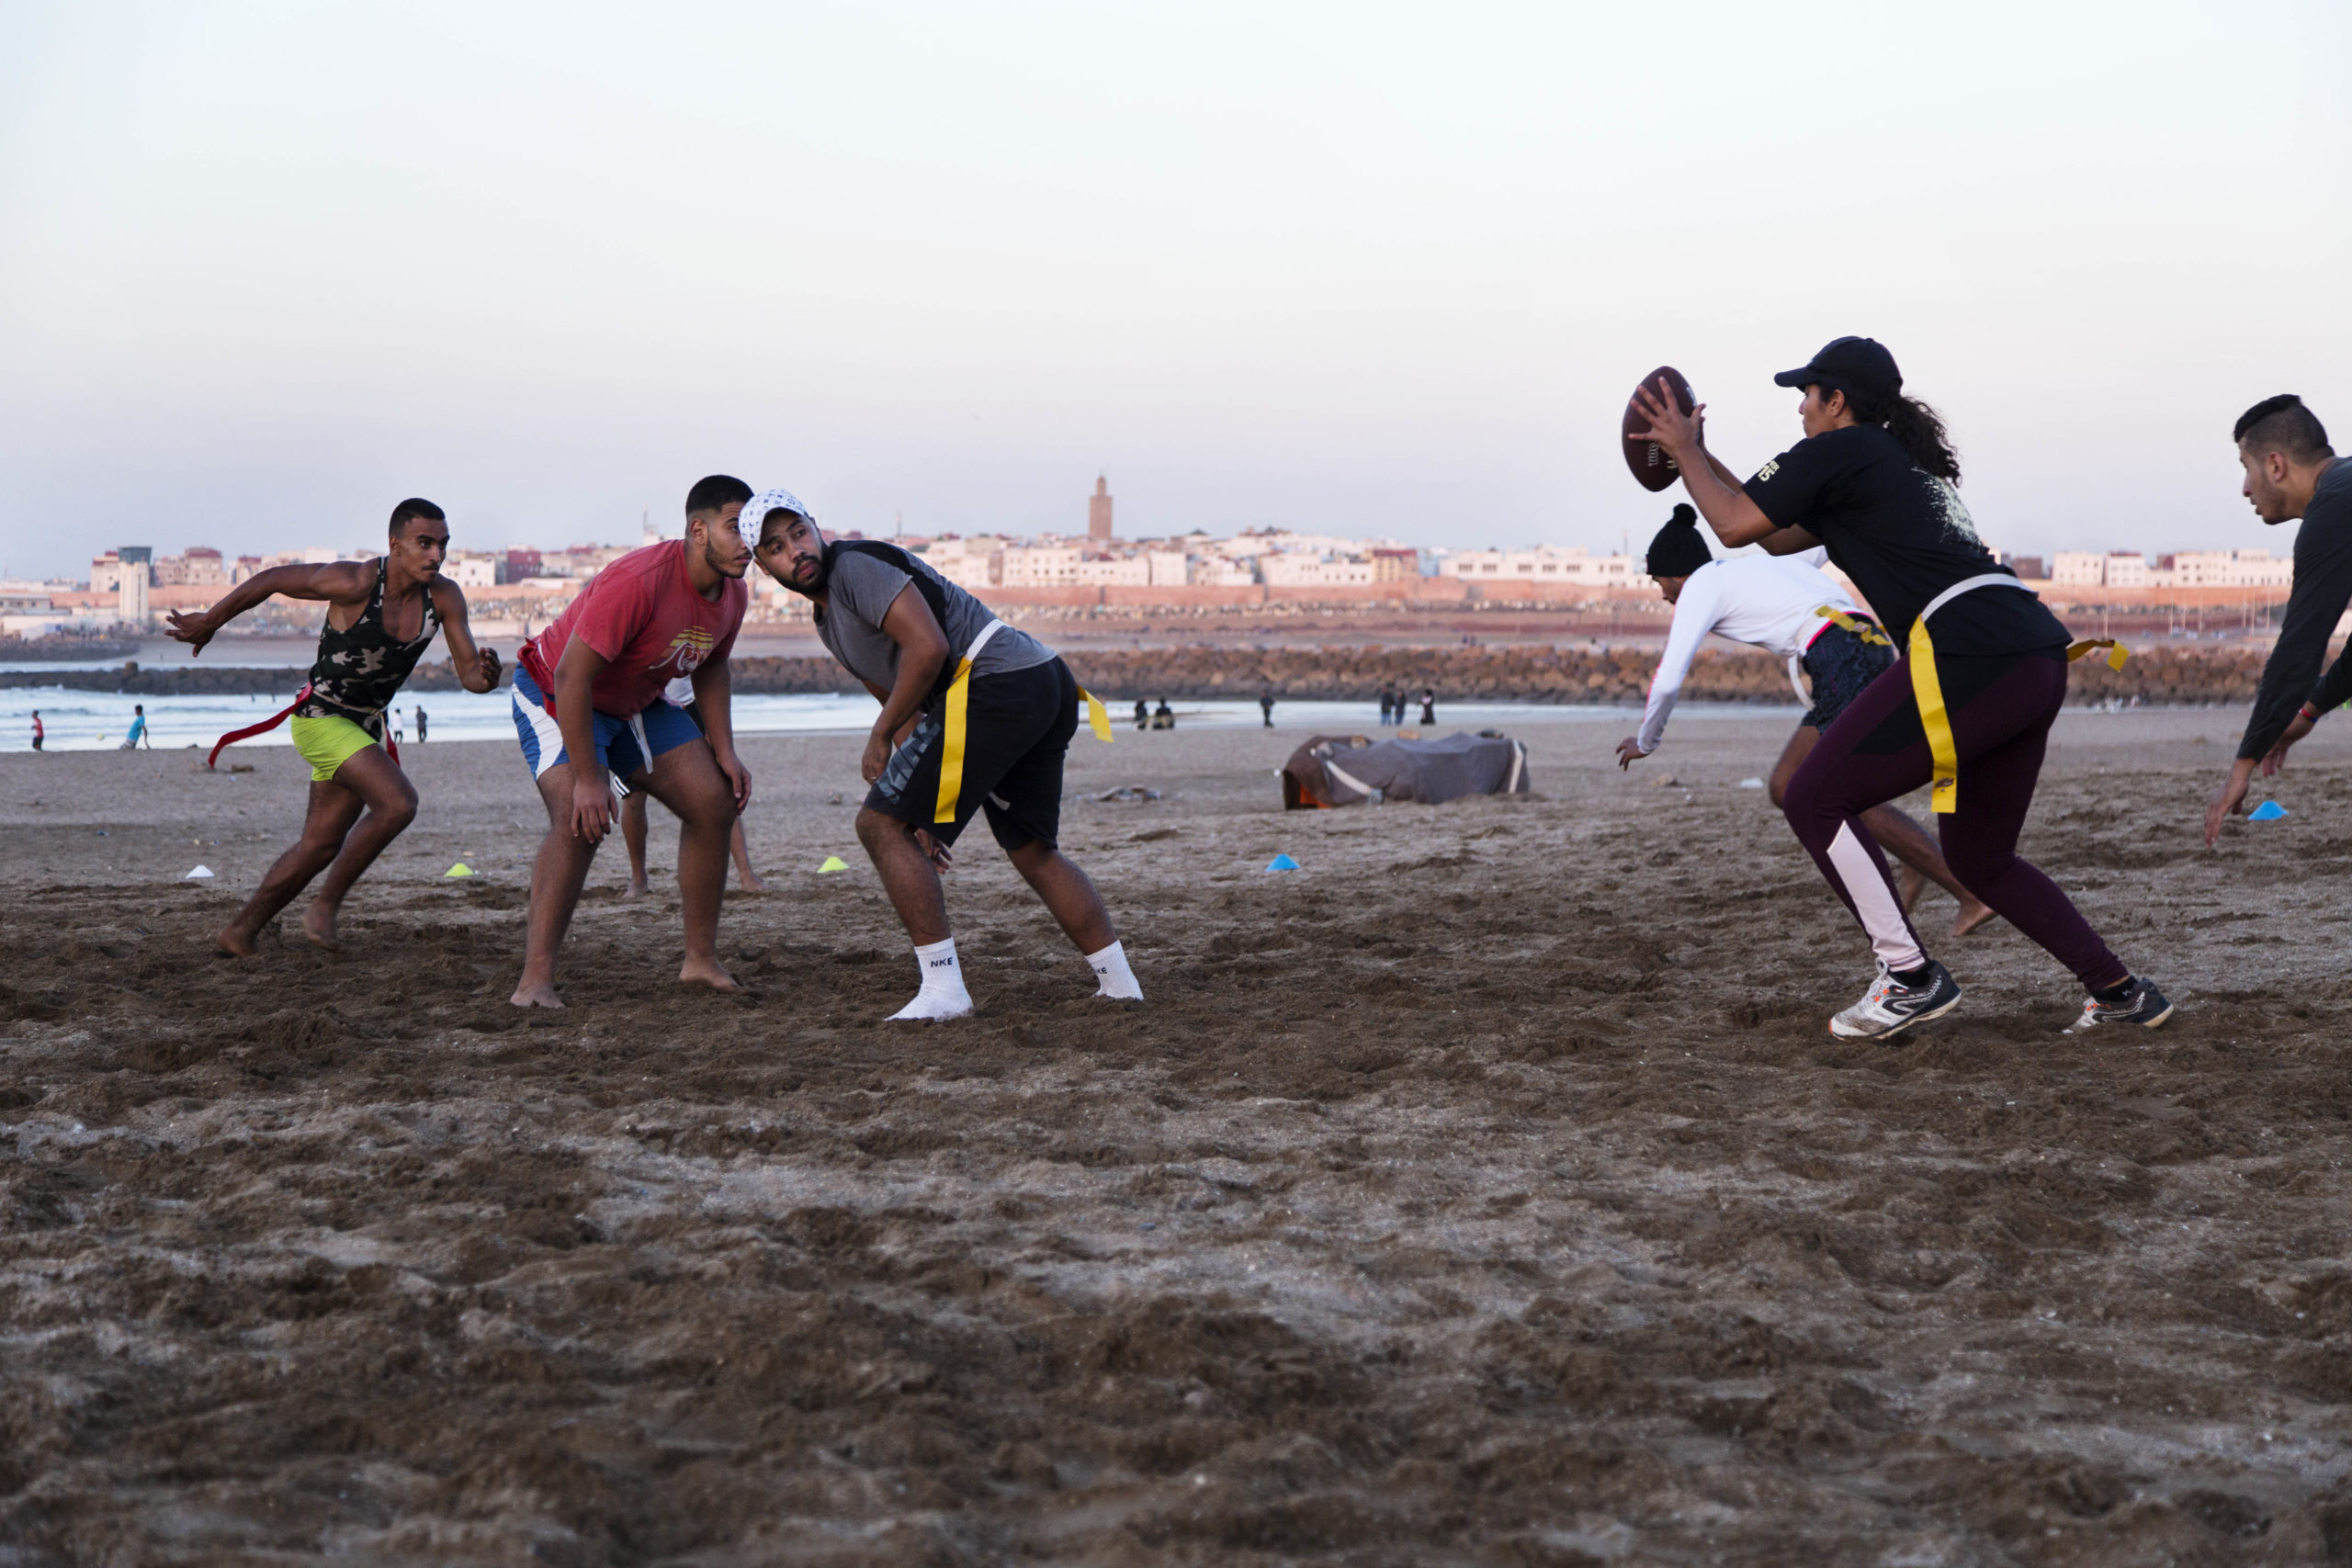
(1543, 563)
(2180, 569)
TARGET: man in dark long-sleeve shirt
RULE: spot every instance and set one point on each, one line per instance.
(2291, 471)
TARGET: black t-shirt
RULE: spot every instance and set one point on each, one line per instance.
(1903, 537)
(2323, 587)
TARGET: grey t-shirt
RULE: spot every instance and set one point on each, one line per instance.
(859, 591)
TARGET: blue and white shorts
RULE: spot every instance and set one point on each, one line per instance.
(625, 746)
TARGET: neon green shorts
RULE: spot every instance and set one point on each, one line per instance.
(327, 743)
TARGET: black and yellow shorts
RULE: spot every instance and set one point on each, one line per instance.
(1017, 730)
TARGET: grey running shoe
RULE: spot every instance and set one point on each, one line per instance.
(2142, 1004)
(1890, 1006)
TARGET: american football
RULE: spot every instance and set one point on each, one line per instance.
(1649, 462)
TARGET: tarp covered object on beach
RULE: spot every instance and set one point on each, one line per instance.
(1348, 769)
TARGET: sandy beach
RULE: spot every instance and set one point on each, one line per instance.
(1486, 1191)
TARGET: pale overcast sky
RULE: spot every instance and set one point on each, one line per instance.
(265, 268)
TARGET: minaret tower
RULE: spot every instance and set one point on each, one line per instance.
(1098, 509)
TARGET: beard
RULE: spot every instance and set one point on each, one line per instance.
(720, 564)
(816, 584)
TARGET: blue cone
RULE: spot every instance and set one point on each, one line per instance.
(2268, 811)
(1281, 863)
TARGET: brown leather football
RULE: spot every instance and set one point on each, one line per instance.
(1646, 458)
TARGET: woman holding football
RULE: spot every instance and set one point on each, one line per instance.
(1969, 706)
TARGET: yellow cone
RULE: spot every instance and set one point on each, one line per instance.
(833, 862)
(460, 869)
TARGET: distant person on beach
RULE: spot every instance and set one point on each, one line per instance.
(1429, 705)
(1143, 714)
(976, 716)
(2290, 472)
(39, 731)
(1387, 704)
(679, 693)
(589, 713)
(420, 726)
(1967, 709)
(1163, 716)
(1266, 704)
(381, 614)
(1785, 605)
(138, 729)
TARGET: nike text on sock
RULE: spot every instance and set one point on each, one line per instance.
(1912, 979)
(2113, 995)
(942, 994)
(1117, 980)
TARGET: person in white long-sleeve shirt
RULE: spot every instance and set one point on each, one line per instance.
(1786, 606)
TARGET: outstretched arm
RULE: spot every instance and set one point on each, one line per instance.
(477, 668)
(343, 582)
(2291, 675)
(1695, 614)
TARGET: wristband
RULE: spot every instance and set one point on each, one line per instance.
(2309, 712)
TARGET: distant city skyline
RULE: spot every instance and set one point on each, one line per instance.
(265, 272)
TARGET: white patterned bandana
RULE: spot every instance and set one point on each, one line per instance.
(756, 509)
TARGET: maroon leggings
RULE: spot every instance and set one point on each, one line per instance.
(1876, 750)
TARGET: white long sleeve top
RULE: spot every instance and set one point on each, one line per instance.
(1770, 601)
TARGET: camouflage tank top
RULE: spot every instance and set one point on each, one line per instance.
(360, 667)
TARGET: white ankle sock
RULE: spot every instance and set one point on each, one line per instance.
(1111, 968)
(942, 994)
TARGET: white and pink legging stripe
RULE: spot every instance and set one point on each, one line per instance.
(2000, 732)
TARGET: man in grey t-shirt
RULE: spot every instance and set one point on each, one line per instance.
(861, 583)
(976, 716)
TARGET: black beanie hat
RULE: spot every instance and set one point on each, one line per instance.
(1677, 551)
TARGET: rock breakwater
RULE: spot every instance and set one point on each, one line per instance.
(2170, 674)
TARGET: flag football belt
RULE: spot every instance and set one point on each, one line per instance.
(1930, 692)
(273, 721)
(1862, 628)
(956, 719)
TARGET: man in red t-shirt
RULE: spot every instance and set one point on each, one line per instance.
(588, 711)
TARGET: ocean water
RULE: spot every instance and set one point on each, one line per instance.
(83, 721)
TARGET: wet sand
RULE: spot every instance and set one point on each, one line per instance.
(1489, 1191)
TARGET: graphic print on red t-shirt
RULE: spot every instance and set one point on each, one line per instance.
(647, 621)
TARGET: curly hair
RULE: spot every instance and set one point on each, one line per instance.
(1916, 428)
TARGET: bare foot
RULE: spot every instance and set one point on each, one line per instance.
(1973, 913)
(1912, 883)
(318, 927)
(542, 996)
(754, 883)
(636, 889)
(707, 972)
(234, 942)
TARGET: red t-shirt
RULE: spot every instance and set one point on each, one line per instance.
(642, 615)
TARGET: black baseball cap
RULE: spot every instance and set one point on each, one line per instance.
(1858, 367)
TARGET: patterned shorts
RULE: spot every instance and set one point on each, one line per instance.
(1840, 665)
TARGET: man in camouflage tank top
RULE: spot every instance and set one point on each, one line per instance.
(381, 615)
